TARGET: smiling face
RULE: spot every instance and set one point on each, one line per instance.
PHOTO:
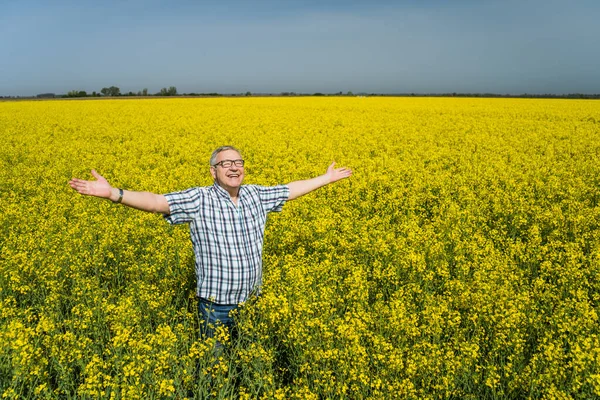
(229, 178)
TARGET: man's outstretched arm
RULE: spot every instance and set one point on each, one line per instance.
(300, 188)
(144, 201)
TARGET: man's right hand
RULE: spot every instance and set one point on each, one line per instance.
(99, 188)
(145, 201)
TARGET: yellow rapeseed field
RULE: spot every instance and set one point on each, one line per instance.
(461, 260)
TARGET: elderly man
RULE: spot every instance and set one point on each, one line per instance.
(227, 224)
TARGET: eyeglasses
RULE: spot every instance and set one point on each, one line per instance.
(229, 163)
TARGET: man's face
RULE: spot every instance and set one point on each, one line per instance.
(228, 177)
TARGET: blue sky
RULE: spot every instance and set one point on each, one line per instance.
(465, 46)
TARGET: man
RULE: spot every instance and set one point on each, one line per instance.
(227, 224)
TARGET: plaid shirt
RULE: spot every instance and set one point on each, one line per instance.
(227, 239)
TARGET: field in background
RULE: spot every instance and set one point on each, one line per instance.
(461, 259)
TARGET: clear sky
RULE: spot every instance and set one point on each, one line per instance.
(273, 46)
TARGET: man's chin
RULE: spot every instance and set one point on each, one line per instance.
(235, 182)
(230, 184)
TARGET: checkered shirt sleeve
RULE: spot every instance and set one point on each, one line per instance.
(184, 205)
(273, 198)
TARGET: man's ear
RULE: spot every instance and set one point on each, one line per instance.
(213, 172)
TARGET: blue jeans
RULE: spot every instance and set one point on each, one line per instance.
(213, 314)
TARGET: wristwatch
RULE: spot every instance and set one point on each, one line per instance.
(120, 196)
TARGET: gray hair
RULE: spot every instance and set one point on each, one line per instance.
(213, 157)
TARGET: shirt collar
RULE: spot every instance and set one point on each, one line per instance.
(224, 193)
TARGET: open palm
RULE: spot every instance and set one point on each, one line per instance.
(99, 188)
(335, 174)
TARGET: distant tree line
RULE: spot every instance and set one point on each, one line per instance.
(114, 91)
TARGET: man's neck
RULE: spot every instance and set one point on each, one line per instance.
(234, 197)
